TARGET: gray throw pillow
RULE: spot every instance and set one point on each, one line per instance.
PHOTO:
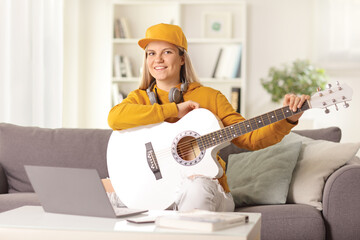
(263, 176)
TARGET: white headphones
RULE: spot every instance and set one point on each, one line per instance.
(175, 95)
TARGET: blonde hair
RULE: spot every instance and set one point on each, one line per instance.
(187, 72)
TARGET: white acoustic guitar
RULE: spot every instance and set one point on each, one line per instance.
(147, 164)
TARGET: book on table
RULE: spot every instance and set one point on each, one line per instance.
(201, 220)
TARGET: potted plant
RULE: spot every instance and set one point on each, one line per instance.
(299, 78)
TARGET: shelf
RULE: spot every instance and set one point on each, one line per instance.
(202, 80)
(125, 40)
(236, 81)
(190, 40)
(126, 80)
(204, 52)
(216, 40)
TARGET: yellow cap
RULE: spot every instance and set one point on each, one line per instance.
(164, 32)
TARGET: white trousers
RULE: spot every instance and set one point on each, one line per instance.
(197, 193)
(203, 193)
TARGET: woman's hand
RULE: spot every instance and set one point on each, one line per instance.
(186, 107)
(294, 102)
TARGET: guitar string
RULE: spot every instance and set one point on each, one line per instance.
(227, 133)
(183, 148)
(186, 147)
(209, 138)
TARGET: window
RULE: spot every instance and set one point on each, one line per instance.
(337, 31)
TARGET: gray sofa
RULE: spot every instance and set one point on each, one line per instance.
(86, 148)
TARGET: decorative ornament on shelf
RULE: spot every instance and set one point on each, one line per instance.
(299, 78)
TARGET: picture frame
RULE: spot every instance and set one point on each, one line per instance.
(217, 25)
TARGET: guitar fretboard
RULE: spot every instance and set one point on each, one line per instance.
(230, 132)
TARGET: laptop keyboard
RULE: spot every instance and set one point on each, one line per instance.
(124, 211)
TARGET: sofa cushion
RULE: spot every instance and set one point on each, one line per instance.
(317, 161)
(15, 200)
(19, 146)
(289, 221)
(263, 176)
(330, 134)
(4, 188)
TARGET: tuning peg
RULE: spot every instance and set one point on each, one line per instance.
(336, 107)
(346, 105)
(338, 84)
(319, 90)
(328, 86)
(327, 110)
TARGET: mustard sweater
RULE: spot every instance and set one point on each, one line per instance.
(136, 110)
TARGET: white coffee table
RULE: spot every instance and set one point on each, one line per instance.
(31, 222)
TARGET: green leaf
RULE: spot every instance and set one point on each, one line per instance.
(301, 77)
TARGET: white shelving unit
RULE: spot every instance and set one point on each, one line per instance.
(190, 16)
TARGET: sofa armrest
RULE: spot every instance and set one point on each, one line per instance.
(341, 203)
(3, 181)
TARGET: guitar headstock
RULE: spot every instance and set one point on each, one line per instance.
(332, 95)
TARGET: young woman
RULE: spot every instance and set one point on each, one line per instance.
(169, 89)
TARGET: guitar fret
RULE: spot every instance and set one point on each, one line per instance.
(242, 127)
(233, 131)
(238, 129)
(206, 141)
(222, 133)
(260, 122)
(252, 124)
(266, 119)
(228, 131)
(216, 138)
(272, 117)
(279, 114)
(287, 112)
(213, 139)
(238, 132)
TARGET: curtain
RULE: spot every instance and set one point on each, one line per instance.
(31, 57)
(338, 31)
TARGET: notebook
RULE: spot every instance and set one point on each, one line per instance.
(74, 191)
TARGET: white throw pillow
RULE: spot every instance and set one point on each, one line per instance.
(318, 159)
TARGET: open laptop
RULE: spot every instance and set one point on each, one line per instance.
(74, 191)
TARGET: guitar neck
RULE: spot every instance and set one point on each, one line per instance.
(230, 132)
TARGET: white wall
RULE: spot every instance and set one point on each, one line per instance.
(87, 63)
(279, 31)
(346, 119)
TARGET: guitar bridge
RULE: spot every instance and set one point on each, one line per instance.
(152, 161)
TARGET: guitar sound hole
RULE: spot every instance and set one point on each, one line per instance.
(188, 149)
